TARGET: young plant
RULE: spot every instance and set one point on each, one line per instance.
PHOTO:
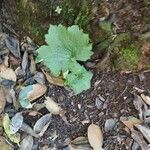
(65, 47)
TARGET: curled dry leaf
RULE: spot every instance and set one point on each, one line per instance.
(139, 90)
(2, 100)
(15, 138)
(26, 143)
(95, 137)
(7, 73)
(139, 139)
(12, 44)
(32, 64)
(146, 99)
(27, 129)
(145, 132)
(31, 93)
(4, 145)
(80, 140)
(25, 62)
(52, 106)
(6, 58)
(80, 143)
(44, 121)
(139, 105)
(82, 147)
(54, 80)
(16, 122)
(39, 78)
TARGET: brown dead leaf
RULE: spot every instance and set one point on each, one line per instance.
(13, 60)
(128, 124)
(95, 137)
(7, 73)
(2, 100)
(54, 80)
(38, 91)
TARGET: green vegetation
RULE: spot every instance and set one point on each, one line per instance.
(67, 46)
(128, 59)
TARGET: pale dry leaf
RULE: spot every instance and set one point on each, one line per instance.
(32, 64)
(26, 143)
(16, 122)
(52, 106)
(38, 91)
(54, 80)
(31, 93)
(146, 99)
(7, 73)
(145, 132)
(41, 123)
(71, 147)
(25, 62)
(6, 58)
(139, 139)
(2, 100)
(27, 129)
(95, 137)
(80, 140)
(4, 145)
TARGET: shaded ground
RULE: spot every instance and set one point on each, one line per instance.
(111, 89)
(81, 110)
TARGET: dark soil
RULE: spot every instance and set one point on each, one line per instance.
(115, 87)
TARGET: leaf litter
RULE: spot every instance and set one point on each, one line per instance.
(138, 126)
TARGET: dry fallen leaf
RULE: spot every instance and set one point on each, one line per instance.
(139, 139)
(38, 91)
(146, 99)
(145, 132)
(27, 129)
(26, 143)
(54, 80)
(31, 93)
(32, 65)
(80, 140)
(80, 143)
(52, 106)
(15, 138)
(4, 145)
(79, 147)
(95, 137)
(7, 73)
(2, 100)
(42, 124)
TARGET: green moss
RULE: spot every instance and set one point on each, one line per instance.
(34, 17)
(128, 59)
(31, 16)
(83, 16)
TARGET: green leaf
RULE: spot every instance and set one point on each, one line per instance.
(79, 79)
(64, 44)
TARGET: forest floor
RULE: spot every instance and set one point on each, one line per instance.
(111, 98)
